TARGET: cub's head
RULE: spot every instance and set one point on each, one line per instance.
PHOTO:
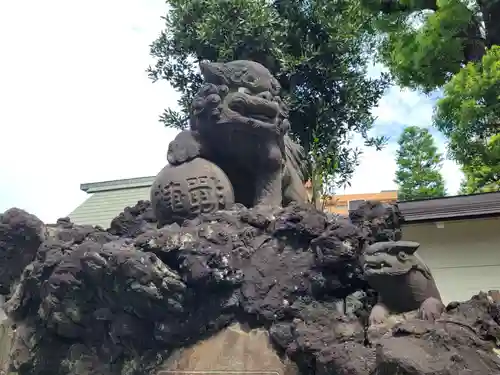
(391, 258)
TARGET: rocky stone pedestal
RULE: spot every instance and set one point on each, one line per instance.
(138, 300)
(234, 350)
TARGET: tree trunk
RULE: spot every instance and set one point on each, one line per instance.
(316, 190)
(491, 17)
(474, 45)
(391, 6)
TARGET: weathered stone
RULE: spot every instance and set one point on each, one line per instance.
(6, 338)
(414, 355)
(181, 298)
(185, 191)
(402, 280)
(134, 220)
(348, 358)
(235, 349)
(380, 221)
(20, 236)
(239, 122)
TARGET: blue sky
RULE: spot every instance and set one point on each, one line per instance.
(78, 107)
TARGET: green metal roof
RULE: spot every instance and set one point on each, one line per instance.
(109, 198)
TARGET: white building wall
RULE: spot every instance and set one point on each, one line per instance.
(464, 256)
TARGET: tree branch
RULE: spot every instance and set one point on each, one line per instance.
(392, 6)
(491, 14)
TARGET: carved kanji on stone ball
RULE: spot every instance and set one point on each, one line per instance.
(185, 191)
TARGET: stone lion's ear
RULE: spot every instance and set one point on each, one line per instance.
(409, 247)
(393, 247)
(378, 247)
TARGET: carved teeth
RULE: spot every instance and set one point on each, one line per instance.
(376, 265)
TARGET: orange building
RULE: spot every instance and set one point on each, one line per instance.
(340, 204)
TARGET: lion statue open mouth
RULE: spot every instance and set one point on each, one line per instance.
(252, 107)
(245, 93)
(240, 123)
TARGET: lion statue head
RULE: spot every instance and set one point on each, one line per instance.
(241, 94)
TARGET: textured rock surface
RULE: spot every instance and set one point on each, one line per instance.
(20, 236)
(185, 191)
(234, 349)
(136, 299)
(6, 337)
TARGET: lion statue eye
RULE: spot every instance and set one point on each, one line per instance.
(237, 75)
(223, 90)
(402, 255)
(249, 78)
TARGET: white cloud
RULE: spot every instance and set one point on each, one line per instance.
(397, 109)
(377, 169)
(404, 106)
(375, 172)
(78, 107)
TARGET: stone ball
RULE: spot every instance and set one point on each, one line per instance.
(185, 191)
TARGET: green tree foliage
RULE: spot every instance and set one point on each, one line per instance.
(317, 49)
(469, 112)
(418, 164)
(481, 176)
(450, 44)
(425, 43)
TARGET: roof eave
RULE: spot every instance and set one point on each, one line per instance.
(461, 207)
(129, 183)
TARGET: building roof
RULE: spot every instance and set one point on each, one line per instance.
(340, 203)
(109, 198)
(343, 199)
(451, 208)
(117, 184)
(458, 207)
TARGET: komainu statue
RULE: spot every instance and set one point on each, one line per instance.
(239, 122)
(402, 280)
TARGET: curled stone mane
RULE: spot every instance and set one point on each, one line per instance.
(239, 122)
(207, 105)
(207, 109)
